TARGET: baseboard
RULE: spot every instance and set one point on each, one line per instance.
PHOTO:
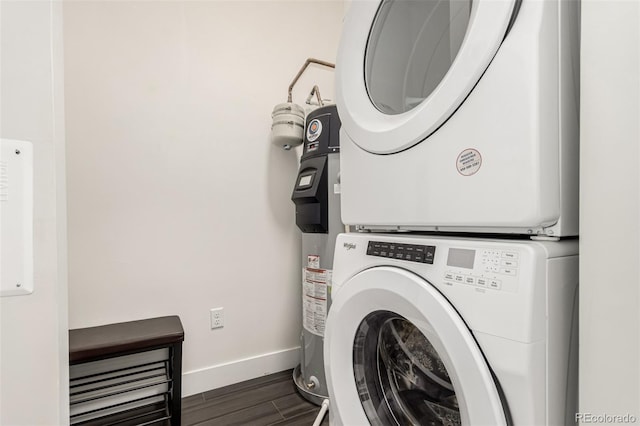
(220, 375)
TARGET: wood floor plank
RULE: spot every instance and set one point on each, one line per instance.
(304, 419)
(266, 400)
(192, 401)
(229, 403)
(293, 405)
(258, 415)
(282, 376)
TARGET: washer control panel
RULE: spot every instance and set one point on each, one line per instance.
(409, 252)
(500, 262)
(488, 268)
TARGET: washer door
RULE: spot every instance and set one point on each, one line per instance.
(404, 66)
(396, 352)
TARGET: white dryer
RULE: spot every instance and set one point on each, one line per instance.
(452, 331)
(460, 115)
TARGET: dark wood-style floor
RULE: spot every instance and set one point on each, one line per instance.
(268, 400)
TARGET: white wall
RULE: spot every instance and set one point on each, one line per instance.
(33, 329)
(178, 203)
(610, 209)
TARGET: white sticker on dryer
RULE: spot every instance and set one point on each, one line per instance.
(469, 162)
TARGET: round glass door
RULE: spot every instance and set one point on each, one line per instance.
(405, 66)
(396, 352)
(411, 48)
(400, 377)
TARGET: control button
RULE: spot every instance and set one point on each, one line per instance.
(429, 254)
(482, 281)
(495, 284)
(509, 263)
(470, 280)
(408, 252)
(491, 268)
(508, 271)
(459, 278)
(509, 255)
(448, 276)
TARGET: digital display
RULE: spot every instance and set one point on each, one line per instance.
(461, 258)
(305, 180)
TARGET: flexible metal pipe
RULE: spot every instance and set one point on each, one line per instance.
(315, 91)
(304, 67)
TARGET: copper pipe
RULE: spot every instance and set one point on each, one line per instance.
(304, 67)
(315, 91)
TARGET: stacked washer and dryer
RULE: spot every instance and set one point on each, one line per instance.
(455, 303)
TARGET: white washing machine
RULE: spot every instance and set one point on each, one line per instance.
(460, 115)
(452, 331)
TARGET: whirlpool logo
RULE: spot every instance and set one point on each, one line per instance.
(349, 246)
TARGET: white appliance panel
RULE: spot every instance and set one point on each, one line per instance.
(16, 217)
(505, 161)
(524, 328)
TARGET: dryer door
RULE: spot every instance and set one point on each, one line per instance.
(404, 66)
(396, 352)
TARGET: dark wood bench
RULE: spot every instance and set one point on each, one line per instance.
(98, 382)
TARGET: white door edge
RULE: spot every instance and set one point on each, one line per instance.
(380, 133)
(406, 294)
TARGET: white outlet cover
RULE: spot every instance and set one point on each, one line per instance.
(16, 217)
(217, 317)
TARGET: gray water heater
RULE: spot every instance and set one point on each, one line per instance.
(317, 201)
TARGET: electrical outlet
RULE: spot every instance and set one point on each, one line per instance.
(217, 318)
